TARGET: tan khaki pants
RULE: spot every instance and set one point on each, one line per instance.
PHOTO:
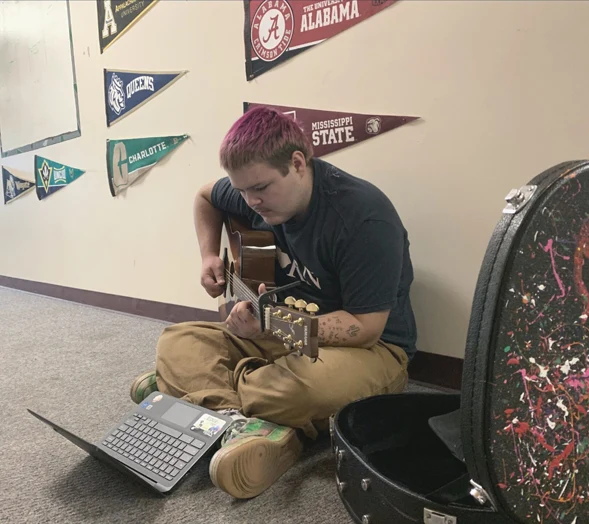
(203, 363)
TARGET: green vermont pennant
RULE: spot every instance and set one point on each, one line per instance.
(51, 176)
(127, 160)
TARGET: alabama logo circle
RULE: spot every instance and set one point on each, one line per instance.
(272, 29)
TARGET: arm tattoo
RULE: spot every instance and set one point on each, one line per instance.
(353, 330)
(336, 332)
(333, 335)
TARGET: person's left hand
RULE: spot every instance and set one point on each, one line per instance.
(242, 322)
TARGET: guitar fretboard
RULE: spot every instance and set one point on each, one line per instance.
(242, 292)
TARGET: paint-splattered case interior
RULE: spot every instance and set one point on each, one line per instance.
(513, 446)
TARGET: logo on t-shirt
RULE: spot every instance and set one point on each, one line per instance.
(293, 269)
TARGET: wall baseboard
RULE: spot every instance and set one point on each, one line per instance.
(136, 306)
(427, 368)
(436, 370)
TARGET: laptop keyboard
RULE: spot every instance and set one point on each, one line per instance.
(163, 450)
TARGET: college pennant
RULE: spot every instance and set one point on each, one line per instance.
(115, 17)
(51, 176)
(126, 91)
(14, 186)
(276, 30)
(127, 160)
(329, 131)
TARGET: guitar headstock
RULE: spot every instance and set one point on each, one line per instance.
(295, 324)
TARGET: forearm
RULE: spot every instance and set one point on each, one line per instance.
(208, 222)
(340, 328)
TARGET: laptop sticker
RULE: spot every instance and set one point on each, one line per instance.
(208, 424)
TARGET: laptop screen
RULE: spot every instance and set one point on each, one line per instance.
(181, 414)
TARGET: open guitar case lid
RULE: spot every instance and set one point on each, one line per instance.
(513, 445)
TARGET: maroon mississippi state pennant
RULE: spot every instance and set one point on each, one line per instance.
(276, 30)
(329, 131)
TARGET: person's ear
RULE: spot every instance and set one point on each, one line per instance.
(299, 162)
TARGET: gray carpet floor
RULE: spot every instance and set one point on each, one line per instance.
(74, 364)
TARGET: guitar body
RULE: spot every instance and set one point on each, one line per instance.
(248, 254)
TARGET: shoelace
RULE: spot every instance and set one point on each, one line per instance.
(239, 421)
(233, 430)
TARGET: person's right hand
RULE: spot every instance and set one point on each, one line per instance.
(212, 276)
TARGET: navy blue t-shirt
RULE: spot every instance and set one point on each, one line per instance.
(351, 251)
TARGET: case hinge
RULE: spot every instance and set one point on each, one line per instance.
(435, 517)
(518, 198)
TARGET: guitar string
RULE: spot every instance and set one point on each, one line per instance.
(247, 292)
(242, 287)
(248, 295)
(234, 278)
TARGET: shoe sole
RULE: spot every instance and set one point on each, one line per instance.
(249, 467)
(141, 384)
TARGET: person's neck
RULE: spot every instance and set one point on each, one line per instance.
(307, 193)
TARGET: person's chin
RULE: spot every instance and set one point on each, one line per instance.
(272, 219)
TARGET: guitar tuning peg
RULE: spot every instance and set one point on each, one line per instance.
(290, 301)
(300, 304)
(312, 308)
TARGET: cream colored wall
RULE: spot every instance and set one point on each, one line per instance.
(501, 88)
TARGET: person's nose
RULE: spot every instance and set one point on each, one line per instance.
(252, 200)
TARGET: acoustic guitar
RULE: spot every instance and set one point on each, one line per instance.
(249, 257)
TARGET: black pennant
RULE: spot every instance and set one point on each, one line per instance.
(115, 17)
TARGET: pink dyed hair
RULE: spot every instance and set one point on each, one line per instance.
(263, 135)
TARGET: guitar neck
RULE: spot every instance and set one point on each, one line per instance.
(240, 290)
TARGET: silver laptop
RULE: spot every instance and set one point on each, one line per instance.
(158, 442)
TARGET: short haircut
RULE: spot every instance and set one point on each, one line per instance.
(263, 135)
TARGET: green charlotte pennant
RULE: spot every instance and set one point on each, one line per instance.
(128, 159)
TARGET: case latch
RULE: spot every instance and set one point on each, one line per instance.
(332, 432)
(434, 517)
(479, 494)
(518, 198)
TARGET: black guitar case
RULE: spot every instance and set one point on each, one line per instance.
(513, 446)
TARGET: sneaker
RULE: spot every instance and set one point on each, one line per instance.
(253, 455)
(143, 386)
(235, 414)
